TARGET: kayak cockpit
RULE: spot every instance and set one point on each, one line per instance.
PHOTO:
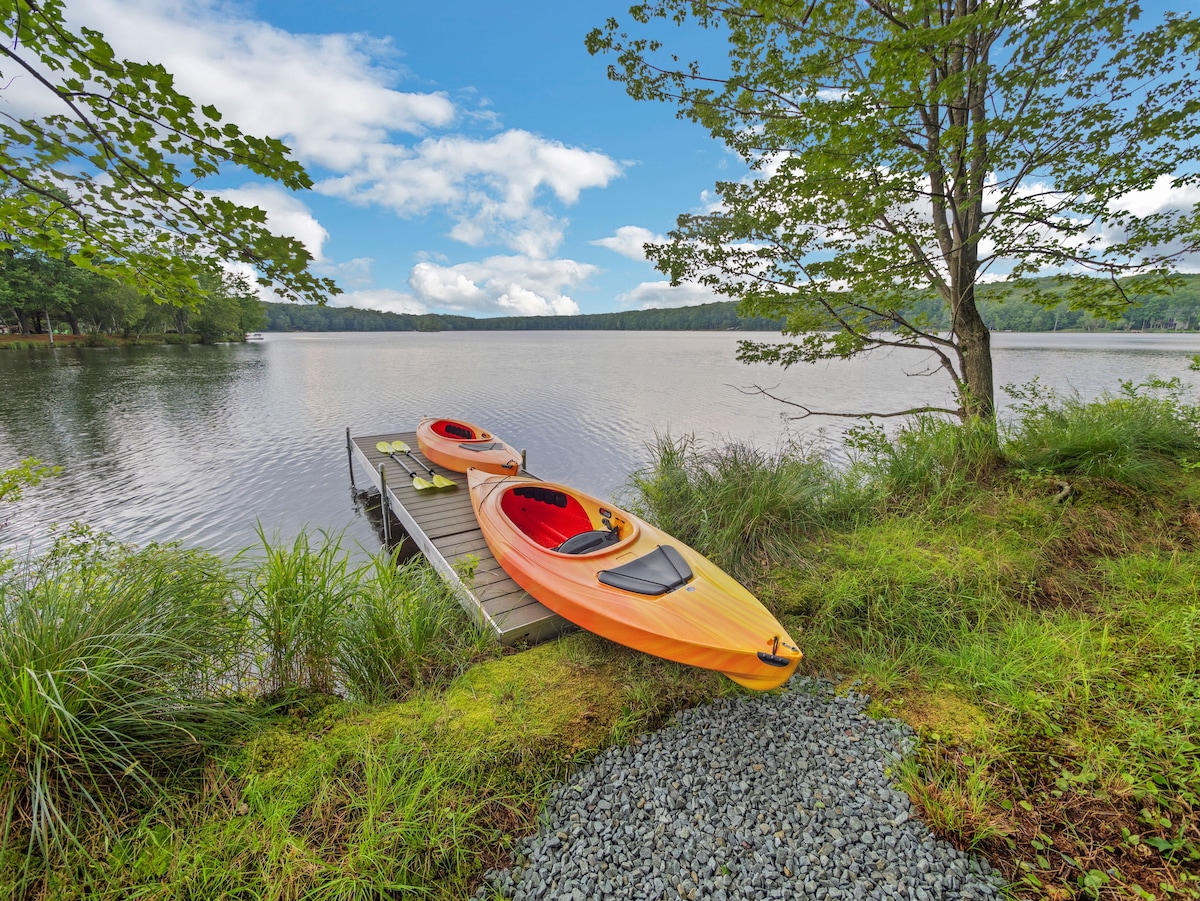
(557, 521)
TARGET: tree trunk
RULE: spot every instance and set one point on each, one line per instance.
(74, 320)
(22, 321)
(975, 348)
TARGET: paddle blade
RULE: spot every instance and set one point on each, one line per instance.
(443, 482)
(383, 447)
(400, 446)
(420, 484)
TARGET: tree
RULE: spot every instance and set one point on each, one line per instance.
(905, 148)
(39, 290)
(109, 179)
(221, 314)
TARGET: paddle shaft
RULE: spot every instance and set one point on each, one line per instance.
(439, 481)
(384, 448)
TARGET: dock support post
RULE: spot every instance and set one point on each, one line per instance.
(350, 456)
(384, 506)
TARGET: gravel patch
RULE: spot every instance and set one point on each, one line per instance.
(783, 796)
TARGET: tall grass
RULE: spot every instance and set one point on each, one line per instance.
(298, 598)
(375, 630)
(1137, 437)
(405, 630)
(929, 459)
(743, 507)
(112, 662)
(122, 670)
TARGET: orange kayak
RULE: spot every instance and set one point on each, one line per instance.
(618, 576)
(458, 446)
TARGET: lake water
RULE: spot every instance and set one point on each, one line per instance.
(201, 444)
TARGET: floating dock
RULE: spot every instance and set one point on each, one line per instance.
(442, 525)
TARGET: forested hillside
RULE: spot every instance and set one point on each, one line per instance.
(709, 316)
(1004, 308)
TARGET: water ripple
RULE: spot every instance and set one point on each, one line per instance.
(201, 444)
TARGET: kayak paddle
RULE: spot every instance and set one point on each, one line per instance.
(418, 483)
(438, 480)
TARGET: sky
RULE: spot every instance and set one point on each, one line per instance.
(468, 157)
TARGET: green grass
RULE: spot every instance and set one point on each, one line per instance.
(115, 662)
(1136, 438)
(1047, 651)
(298, 598)
(405, 631)
(164, 732)
(746, 507)
(363, 801)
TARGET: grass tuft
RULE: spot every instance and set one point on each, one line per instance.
(298, 598)
(113, 665)
(1139, 437)
(405, 631)
(743, 507)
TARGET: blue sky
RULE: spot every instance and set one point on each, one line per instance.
(469, 157)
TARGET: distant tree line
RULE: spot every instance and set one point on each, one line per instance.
(1004, 307)
(39, 293)
(1153, 306)
(705, 317)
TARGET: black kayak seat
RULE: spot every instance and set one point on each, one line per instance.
(586, 542)
(658, 572)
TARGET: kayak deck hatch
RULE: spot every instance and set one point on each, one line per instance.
(480, 448)
(658, 572)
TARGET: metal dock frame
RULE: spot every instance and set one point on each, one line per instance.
(442, 525)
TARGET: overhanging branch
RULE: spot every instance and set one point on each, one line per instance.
(807, 411)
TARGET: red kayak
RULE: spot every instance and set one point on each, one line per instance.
(459, 446)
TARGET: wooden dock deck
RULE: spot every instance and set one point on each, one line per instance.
(442, 525)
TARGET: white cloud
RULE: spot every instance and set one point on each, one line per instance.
(327, 95)
(512, 285)
(1164, 197)
(380, 299)
(352, 273)
(333, 99)
(629, 240)
(286, 214)
(649, 295)
(491, 186)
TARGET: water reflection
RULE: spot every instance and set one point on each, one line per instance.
(203, 443)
